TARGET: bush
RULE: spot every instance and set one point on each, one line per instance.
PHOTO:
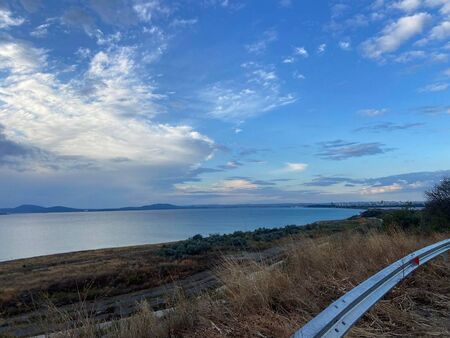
(245, 240)
(405, 218)
(379, 213)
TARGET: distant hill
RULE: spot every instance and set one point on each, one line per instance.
(37, 209)
(29, 208)
(158, 206)
(33, 209)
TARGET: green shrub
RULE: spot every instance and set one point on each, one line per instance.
(198, 244)
(379, 213)
(405, 218)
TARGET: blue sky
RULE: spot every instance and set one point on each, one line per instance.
(106, 102)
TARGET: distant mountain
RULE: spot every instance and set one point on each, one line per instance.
(158, 206)
(36, 209)
(27, 208)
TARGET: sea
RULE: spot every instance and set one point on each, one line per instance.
(29, 235)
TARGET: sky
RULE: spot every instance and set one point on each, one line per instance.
(107, 103)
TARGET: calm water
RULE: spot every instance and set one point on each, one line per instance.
(28, 235)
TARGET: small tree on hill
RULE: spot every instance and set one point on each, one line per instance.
(437, 206)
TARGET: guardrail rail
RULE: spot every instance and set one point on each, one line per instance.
(337, 319)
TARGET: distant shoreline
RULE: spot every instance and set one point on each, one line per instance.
(35, 209)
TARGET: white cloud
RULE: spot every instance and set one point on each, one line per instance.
(7, 20)
(416, 55)
(345, 45)
(258, 93)
(180, 23)
(237, 104)
(40, 31)
(377, 16)
(225, 186)
(232, 164)
(107, 40)
(289, 60)
(229, 4)
(439, 57)
(83, 53)
(261, 45)
(130, 12)
(321, 48)
(240, 184)
(19, 58)
(372, 112)
(358, 20)
(80, 18)
(295, 167)
(264, 77)
(301, 51)
(434, 87)
(104, 117)
(407, 5)
(146, 10)
(443, 4)
(298, 76)
(441, 31)
(411, 56)
(394, 35)
(447, 72)
(381, 189)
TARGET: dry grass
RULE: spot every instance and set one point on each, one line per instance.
(181, 316)
(419, 307)
(258, 300)
(95, 273)
(146, 323)
(274, 301)
(76, 324)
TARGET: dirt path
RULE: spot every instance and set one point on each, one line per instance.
(31, 324)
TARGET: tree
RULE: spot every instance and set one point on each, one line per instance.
(437, 206)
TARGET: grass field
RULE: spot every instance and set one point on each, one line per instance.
(263, 300)
(256, 299)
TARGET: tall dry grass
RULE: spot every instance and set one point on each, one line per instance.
(146, 323)
(261, 300)
(274, 301)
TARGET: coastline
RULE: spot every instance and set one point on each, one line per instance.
(36, 209)
(113, 271)
(31, 235)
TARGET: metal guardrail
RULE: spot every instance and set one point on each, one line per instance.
(340, 316)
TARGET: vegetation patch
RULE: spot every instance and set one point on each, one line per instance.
(263, 300)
